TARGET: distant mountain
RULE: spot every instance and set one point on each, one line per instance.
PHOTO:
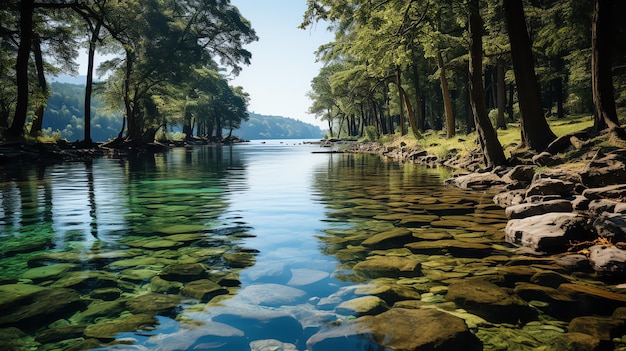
(67, 79)
(276, 127)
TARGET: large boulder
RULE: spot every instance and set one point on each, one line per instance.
(489, 301)
(607, 259)
(550, 232)
(532, 209)
(605, 170)
(399, 329)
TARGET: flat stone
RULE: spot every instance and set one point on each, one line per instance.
(203, 290)
(603, 171)
(107, 330)
(153, 303)
(559, 304)
(550, 232)
(593, 300)
(390, 293)
(163, 286)
(532, 209)
(489, 301)
(99, 310)
(393, 238)
(361, 306)
(60, 333)
(611, 226)
(575, 341)
(239, 259)
(208, 336)
(458, 248)
(271, 345)
(388, 266)
(185, 272)
(550, 186)
(87, 280)
(107, 294)
(41, 307)
(477, 181)
(51, 272)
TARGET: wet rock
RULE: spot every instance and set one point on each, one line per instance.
(12, 339)
(603, 328)
(60, 333)
(162, 286)
(39, 308)
(154, 243)
(486, 180)
(422, 329)
(575, 341)
(549, 279)
(184, 272)
(87, 280)
(181, 229)
(509, 198)
(520, 173)
(100, 309)
(417, 220)
(611, 226)
(271, 345)
(138, 275)
(361, 306)
(107, 294)
(457, 248)
(489, 301)
(389, 292)
(604, 170)
(38, 243)
(549, 186)
(593, 300)
(51, 272)
(607, 259)
(344, 337)
(532, 209)
(601, 206)
(305, 276)
(550, 232)
(614, 192)
(203, 290)
(388, 266)
(573, 262)
(272, 294)
(558, 304)
(107, 330)
(260, 323)
(239, 259)
(154, 304)
(393, 238)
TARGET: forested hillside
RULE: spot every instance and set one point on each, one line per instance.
(65, 109)
(276, 127)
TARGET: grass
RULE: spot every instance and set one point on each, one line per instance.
(436, 143)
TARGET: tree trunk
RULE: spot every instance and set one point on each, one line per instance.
(492, 150)
(536, 133)
(419, 114)
(411, 112)
(21, 69)
(89, 84)
(37, 124)
(447, 100)
(558, 87)
(605, 114)
(401, 104)
(501, 94)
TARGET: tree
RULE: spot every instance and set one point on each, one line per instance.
(536, 133)
(605, 113)
(492, 150)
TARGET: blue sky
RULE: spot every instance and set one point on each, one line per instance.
(283, 60)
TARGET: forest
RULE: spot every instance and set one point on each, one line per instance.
(170, 63)
(469, 66)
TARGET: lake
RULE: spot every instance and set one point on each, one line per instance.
(257, 246)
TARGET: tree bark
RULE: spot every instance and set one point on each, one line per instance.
(37, 124)
(89, 84)
(501, 94)
(605, 114)
(21, 68)
(536, 133)
(401, 104)
(447, 100)
(492, 150)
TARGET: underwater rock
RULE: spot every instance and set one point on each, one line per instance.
(548, 278)
(489, 301)
(153, 303)
(107, 294)
(41, 307)
(388, 266)
(260, 323)
(12, 339)
(458, 248)
(107, 330)
(203, 290)
(271, 345)
(163, 286)
(593, 300)
(60, 333)
(271, 294)
(239, 259)
(390, 239)
(51, 272)
(362, 306)
(550, 232)
(87, 280)
(574, 341)
(305, 276)
(603, 328)
(185, 272)
(419, 329)
(558, 304)
(208, 336)
(100, 309)
(389, 292)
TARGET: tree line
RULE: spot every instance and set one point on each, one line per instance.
(169, 62)
(470, 65)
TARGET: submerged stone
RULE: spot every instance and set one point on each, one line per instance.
(107, 330)
(50, 272)
(184, 272)
(305, 276)
(40, 308)
(388, 266)
(362, 306)
(389, 239)
(603, 328)
(208, 336)
(154, 303)
(239, 259)
(272, 294)
(203, 290)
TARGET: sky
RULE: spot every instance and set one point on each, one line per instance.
(283, 59)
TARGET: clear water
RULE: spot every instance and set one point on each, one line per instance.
(283, 211)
